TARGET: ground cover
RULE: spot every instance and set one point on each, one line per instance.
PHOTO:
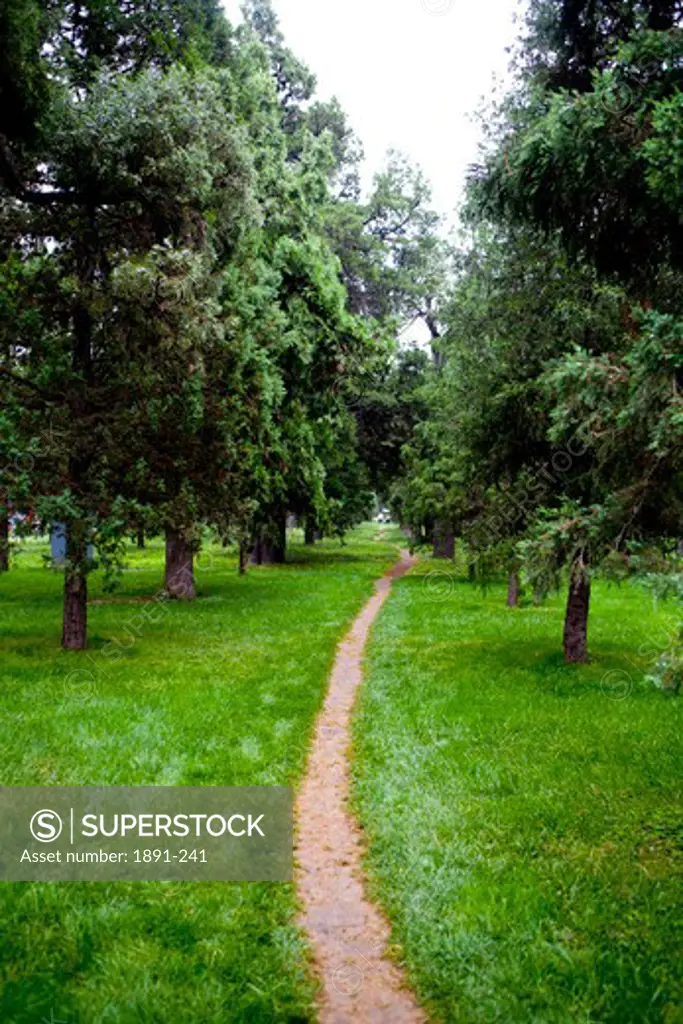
(220, 692)
(524, 815)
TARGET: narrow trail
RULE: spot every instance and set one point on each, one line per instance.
(348, 933)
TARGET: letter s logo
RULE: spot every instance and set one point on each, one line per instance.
(46, 826)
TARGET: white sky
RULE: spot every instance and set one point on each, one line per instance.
(409, 73)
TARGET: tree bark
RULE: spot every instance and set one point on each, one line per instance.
(471, 572)
(513, 590)
(4, 540)
(444, 540)
(273, 552)
(141, 539)
(75, 611)
(256, 553)
(309, 535)
(270, 544)
(576, 619)
(242, 570)
(179, 583)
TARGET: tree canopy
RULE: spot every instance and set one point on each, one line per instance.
(185, 325)
(551, 442)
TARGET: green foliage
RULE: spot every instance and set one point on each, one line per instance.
(162, 150)
(394, 263)
(624, 403)
(484, 459)
(24, 83)
(549, 374)
(584, 164)
(177, 306)
(135, 282)
(565, 42)
(663, 152)
(92, 37)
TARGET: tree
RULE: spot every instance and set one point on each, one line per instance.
(579, 153)
(588, 165)
(484, 458)
(309, 458)
(295, 82)
(119, 184)
(388, 403)
(318, 332)
(626, 405)
(566, 41)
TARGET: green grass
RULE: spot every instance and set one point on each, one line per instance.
(220, 692)
(523, 815)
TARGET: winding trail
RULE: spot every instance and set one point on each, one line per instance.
(347, 932)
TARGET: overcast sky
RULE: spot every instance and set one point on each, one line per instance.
(409, 73)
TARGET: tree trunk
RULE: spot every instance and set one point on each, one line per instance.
(309, 535)
(444, 540)
(141, 539)
(256, 553)
(270, 544)
(243, 560)
(513, 590)
(576, 618)
(273, 552)
(471, 572)
(179, 582)
(75, 613)
(4, 540)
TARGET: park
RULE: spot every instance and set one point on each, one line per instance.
(307, 493)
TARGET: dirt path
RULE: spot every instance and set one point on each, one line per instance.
(348, 934)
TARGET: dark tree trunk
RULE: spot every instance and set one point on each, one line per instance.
(270, 544)
(243, 560)
(309, 535)
(256, 553)
(141, 539)
(4, 541)
(576, 618)
(513, 590)
(75, 614)
(179, 582)
(272, 552)
(471, 572)
(444, 540)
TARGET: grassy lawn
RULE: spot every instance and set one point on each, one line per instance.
(220, 692)
(524, 816)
